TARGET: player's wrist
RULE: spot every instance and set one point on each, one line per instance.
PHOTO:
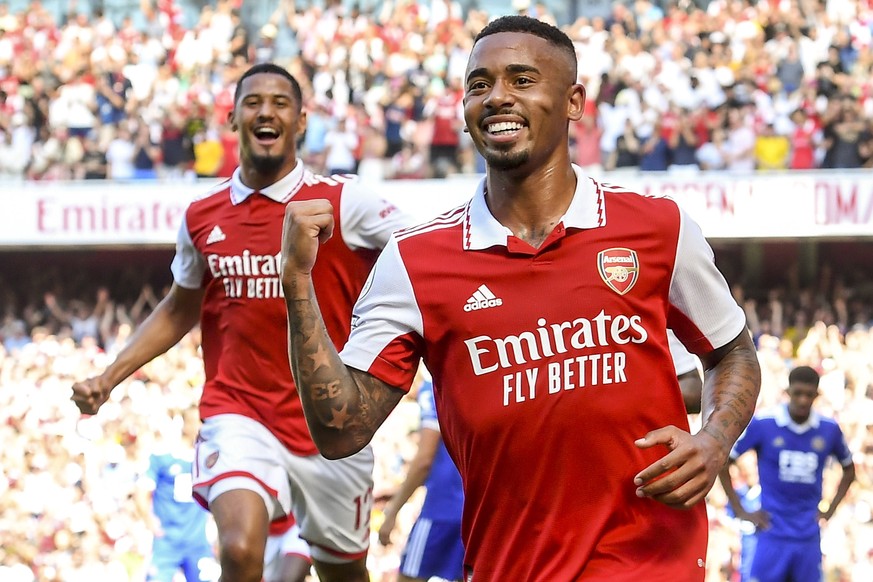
(297, 285)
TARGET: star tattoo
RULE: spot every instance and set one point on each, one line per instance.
(319, 358)
(339, 418)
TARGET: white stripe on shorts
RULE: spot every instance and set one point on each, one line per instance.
(415, 547)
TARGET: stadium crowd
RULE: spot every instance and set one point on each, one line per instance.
(737, 85)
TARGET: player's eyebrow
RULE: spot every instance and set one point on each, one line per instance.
(514, 69)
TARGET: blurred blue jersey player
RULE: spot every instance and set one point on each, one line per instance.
(178, 522)
(434, 547)
(793, 444)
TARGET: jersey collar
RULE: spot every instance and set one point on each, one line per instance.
(482, 230)
(783, 419)
(280, 191)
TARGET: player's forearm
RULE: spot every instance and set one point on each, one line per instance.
(727, 484)
(845, 482)
(343, 407)
(158, 333)
(414, 479)
(730, 391)
(419, 469)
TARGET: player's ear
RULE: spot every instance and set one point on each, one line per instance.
(576, 105)
(301, 122)
(231, 119)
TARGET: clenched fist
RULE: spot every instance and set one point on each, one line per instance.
(90, 394)
(308, 223)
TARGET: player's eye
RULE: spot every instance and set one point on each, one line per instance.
(477, 86)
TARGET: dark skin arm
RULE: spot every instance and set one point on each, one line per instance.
(687, 472)
(174, 316)
(845, 482)
(343, 406)
(760, 518)
(419, 469)
(692, 387)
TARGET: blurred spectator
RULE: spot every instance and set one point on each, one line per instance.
(121, 154)
(318, 123)
(772, 150)
(114, 90)
(146, 154)
(587, 135)
(340, 144)
(739, 147)
(176, 145)
(208, 153)
(265, 47)
(76, 105)
(789, 69)
(371, 167)
(805, 141)
(93, 165)
(81, 319)
(229, 151)
(844, 131)
(627, 150)
(54, 158)
(13, 333)
(444, 107)
(239, 44)
(682, 144)
(397, 110)
(654, 150)
(407, 164)
(710, 155)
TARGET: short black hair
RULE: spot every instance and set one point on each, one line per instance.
(803, 375)
(529, 25)
(274, 69)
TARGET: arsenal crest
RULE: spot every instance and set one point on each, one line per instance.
(619, 268)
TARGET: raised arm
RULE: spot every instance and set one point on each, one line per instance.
(730, 391)
(343, 406)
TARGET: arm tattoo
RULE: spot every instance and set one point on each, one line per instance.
(343, 407)
(730, 403)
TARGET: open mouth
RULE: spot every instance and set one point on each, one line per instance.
(266, 135)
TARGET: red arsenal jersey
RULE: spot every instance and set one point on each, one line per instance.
(548, 364)
(230, 245)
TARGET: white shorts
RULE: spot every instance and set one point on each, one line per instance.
(331, 500)
(281, 545)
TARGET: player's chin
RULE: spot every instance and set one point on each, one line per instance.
(266, 162)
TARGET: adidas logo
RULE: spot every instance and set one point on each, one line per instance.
(483, 298)
(217, 235)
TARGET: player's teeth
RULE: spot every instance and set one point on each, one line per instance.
(504, 126)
